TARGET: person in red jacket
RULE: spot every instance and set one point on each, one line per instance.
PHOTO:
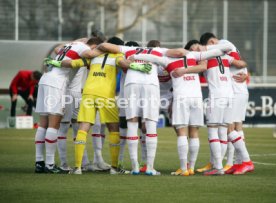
(24, 84)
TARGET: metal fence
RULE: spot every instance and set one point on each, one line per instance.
(249, 24)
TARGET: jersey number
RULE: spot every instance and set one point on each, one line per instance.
(140, 50)
(221, 66)
(64, 52)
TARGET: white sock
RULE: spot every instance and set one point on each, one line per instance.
(132, 141)
(97, 146)
(151, 143)
(193, 151)
(75, 127)
(230, 154)
(85, 160)
(50, 145)
(238, 157)
(222, 132)
(239, 145)
(103, 134)
(183, 148)
(61, 143)
(123, 136)
(40, 144)
(214, 143)
(143, 147)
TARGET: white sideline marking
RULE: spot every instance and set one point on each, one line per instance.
(262, 154)
(267, 164)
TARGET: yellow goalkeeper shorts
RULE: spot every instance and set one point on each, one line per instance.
(107, 108)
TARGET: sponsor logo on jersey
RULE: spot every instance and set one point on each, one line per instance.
(100, 74)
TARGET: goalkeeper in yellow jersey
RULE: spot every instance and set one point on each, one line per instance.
(99, 95)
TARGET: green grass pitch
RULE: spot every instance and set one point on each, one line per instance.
(19, 183)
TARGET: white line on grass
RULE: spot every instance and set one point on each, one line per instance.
(267, 164)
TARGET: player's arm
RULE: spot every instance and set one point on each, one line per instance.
(149, 58)
(176, 53)
(78, 63)
(201, 67)
(237, 63)
(225, 47)
(91, 53)
(125, 64)
(107, 47)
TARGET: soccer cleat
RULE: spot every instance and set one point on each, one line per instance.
(103, 166)
(76, 171)
(134, 172)
(205, 168)
(152, 173)
(226, 167)
(191, 171)
(244, 168)
(65, 168)
(39, 167)
(180, 172)
(52, 169)
(118, 170)
(143, 169)
(232, 169)
(214, 172)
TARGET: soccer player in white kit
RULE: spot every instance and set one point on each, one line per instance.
(187, 110)
(142, 92)
(219, 107)
(52, 87)
(239, 108)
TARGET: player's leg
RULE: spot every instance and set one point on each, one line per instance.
(193, 147)
(143, 144)
(123, 139)
(109, 114)
(239, 146)
(132, 94)
(215, 112)
(86, 118)
(97, 134)
(151, 98)
(182, 148)
(222, 131)
(196, 120)
(40, 144)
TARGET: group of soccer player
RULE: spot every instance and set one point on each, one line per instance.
(80, 90)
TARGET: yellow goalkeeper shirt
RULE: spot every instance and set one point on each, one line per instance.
(101, 80)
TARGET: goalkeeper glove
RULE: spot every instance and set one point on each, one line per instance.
(50, 61)
(145, 67)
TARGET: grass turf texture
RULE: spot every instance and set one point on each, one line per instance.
(19, 183)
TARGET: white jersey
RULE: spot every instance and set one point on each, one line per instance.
(238, 88)
(137, 77)
(165, 82)
(122, 82)
(79, 77)
(60, 77)
(218, 77)
(187, 86)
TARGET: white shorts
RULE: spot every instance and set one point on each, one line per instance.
(49, 100)
(219, 111)
(72, 104)
(239, 107)
(143, 101)
(187, 112)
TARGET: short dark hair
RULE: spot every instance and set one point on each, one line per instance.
(94, 40)
(115, 40)
(99, 34)
(37, 75)
(191, 43)
(154, 43)
(205, 37)
(132, 44)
